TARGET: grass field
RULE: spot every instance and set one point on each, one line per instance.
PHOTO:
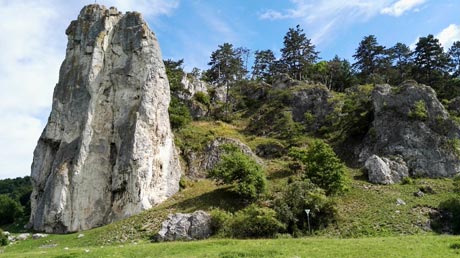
(405, 246)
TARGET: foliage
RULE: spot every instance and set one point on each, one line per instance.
(290, 206)
(452, 208)
(220, 221)
(227, 65)
(431, 62)
(264, 63)
(3, 239)
(352, 116)
(401, 57)
(203, 98)
(370, 57)
(237, 168)
(298, 53)
(179, 114)
(322, 167)
(19, 189)
(10, 209)
(255, 222)
(419, 111)
(454, 53)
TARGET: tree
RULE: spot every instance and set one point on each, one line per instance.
(10, 210)
(297, 196)
(227, 65)
(236, 167)
(431, 63)
(454, 53)
(370, 58)
(264, 63)
(342, 76)
(298, 53)
(322, 167)
(400, 55)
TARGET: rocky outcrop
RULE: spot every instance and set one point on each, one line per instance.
(311, 105)
(386, 171)
(410, 122)
(179, 226)
(107, 151)
(191, 86)
(201, 162)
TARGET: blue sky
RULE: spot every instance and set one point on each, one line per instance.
(33, 43)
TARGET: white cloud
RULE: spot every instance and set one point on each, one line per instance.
(449, 35)
(328, 15)
(33, 47)
(402, 6)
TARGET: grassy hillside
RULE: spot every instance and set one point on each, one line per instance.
(365, 210)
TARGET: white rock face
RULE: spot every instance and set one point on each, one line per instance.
(107, 151)
(386, 171)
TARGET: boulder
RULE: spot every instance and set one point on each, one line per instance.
(191, 86)
(107, 151)
(23, 236)
(411, 123)
(180, 226)
(386, 171)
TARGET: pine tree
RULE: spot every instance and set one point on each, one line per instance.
(298, 53)
(454, 53)
(400, 56)
(371, 58)
(264, 63)
(431, 62)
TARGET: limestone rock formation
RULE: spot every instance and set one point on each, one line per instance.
(410, 122)
(386, 171)
(179, 226)
(191, 86)
(107, 151)
(201, 162)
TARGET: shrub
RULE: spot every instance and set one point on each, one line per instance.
(451, 217)
(220, 220)
(3, 239)
(179, 114)
(322, 167)
(456, 182)
(203, 98)
(290, 206)
(238, 168)
(253, 222)
(419, 111)
(10, 210)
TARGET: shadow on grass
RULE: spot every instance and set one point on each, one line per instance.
(223, 198)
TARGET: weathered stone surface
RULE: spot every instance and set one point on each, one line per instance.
(201, 162)
(181, 226)
(425, 141)
(107, 151)
(191, 86)
(386, 171)
(22, 237)
(311, 105)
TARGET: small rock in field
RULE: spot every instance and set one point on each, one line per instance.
(419, 194)
(66, 248)
(23, 236)
(80, 235)
(400, 202)
(39, 235)
(87, 251)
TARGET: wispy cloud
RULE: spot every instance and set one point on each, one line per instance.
(402, 6)
(33, 48)
(449, 35)
(328, 15)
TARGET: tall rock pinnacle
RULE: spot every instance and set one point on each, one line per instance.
(107, 151)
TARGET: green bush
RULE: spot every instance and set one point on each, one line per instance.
(456, 182)
(3, 239)
(290, 207)
(322, 167)
(203, 98)
(237, 168)
(179, 114)
(451, 210)
(419, 111)
(254, 222)
(220, 220)
(10, 210)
